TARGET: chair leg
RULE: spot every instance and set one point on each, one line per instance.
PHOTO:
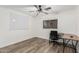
(49, 41)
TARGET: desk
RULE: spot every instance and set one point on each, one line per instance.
(67, 38)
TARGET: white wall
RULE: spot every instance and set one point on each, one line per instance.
(38, 29)
(8, 36)
(77, 20)
(67, 23)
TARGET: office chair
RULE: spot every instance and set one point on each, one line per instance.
(53, 36)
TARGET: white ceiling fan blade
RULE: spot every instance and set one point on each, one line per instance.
(44, 12)
(48, 8)
(30, 9)
(36, 6)
(37, 13)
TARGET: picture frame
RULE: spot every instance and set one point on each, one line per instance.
(50, 24)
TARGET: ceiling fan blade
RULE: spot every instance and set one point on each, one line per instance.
(44, 12)
(36, 6)
(48, 8)
(37, 14)
(30, 11)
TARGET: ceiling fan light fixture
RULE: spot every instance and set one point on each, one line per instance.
(39, 9)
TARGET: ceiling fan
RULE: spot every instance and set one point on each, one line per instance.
(41, 9)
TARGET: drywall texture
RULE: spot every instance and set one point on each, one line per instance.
(40, 31)
(67, 23)
(8, 36)
(77, 12)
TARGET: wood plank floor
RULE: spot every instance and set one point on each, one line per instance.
(35, 45)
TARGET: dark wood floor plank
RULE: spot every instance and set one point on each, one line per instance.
(35, 45)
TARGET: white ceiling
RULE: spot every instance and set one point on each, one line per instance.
(55, 8)
(60, 8)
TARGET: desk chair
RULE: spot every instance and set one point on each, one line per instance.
(53, 37)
